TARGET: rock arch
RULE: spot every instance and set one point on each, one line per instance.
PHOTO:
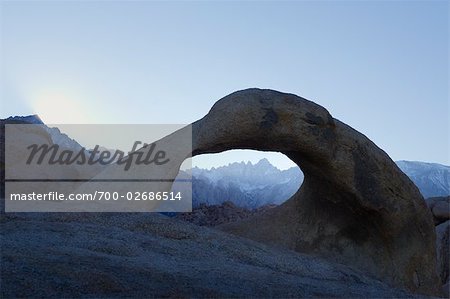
(355, 206)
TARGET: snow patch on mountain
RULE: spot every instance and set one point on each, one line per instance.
(432, 179)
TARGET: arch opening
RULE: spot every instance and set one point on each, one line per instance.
(249, 179)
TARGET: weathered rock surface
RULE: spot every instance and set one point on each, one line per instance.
(443, 253)
(213, 215)
(112, 255)
(440, 208)
(355, 206)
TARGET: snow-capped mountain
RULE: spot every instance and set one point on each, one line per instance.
(252, 186)
(247, 175)
(432, 179)
(245, 184)
(55, 134)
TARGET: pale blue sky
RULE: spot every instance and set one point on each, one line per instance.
(381, 67)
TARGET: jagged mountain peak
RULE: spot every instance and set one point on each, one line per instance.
(31, 119)
(263, 161)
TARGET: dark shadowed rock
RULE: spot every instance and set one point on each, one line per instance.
(205, 215)
(125, 255)
(440, 208)
(355, 206)
(443, 253)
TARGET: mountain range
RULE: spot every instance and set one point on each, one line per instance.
(245, 184)
(432, 179)
(254, 185)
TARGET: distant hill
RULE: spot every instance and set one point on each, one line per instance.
(432, 179)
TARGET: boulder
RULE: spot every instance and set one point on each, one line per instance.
(443, 253)
(355, 206)
(440, 208)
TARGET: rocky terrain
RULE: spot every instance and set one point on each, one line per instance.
(440, 208)
(358, 227)
(113, 255)
(227, 212)
(212, 215)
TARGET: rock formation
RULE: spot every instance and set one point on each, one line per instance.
(213, 215)
(440, 208)
(443, 258)
(355, 206)
(140, 255)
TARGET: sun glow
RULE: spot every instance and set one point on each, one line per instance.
(60, 107)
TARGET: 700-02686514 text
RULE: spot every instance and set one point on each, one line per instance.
(99, 195)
